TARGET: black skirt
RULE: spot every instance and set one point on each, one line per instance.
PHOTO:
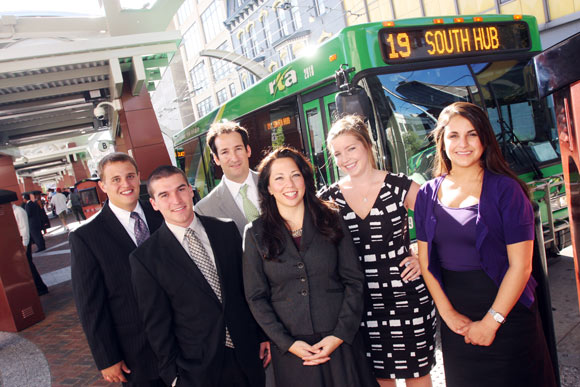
(347, 367)
(518, 355)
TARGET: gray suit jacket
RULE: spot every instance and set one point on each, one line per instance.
(220, 203)
(315, 289)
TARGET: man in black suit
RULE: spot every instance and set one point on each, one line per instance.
(34, 220)
(101, 276)
(188, 283)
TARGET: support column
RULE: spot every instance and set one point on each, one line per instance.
(80, 170)
(29, 185)
(140, 132)
(8, 180)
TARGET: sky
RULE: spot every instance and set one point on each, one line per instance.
(61, 7)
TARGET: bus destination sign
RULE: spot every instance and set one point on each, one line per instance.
(409, 44)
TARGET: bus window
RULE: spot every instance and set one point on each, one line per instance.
(409, 103)
(317, 143)
(197, 165)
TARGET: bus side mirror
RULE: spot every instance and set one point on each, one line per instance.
(353, 101)
(356, 101)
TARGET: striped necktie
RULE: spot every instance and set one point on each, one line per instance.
(140, 229)
(203, 261)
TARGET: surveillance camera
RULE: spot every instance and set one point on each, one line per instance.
(99, 112)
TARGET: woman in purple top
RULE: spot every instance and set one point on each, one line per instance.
(475, 231)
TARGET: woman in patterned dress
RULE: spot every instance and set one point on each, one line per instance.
(399, 318)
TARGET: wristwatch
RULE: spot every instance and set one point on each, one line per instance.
(497, 316)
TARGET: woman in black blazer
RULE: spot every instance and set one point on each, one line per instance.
(303, 281)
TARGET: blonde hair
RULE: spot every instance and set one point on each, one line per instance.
(355, 126)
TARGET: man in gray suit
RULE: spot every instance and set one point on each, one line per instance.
(236, 197)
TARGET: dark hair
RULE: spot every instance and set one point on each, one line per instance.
(323, 215)
(353, 125)
(163, 172)
(26, 196)
(220, 128)
(116, 157)
(491, 159)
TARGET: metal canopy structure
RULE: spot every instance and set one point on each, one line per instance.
(55, 70)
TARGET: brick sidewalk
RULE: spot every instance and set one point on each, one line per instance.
(59, 336)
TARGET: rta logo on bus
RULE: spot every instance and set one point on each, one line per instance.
(282, 81)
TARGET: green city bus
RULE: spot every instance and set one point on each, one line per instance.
(400, 75)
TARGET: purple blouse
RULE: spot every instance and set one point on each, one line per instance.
(505, 217)
(455, 237)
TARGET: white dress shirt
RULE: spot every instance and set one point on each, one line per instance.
(235, 191)
(199, 231)
(22, 222)
(124, 217)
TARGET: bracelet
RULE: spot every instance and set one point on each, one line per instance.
(497, 316)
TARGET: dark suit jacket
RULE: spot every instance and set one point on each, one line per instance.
(220, 203)
(317, 289)
(34, 215)
(184, 319)
(101, 281)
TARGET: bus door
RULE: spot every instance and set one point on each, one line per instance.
(318, 116)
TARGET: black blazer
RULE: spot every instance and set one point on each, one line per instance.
(34, 215)
(106, 304)
(317, 289)
(184, 320)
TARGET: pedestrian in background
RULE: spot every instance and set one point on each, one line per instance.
(22, 222)
(58, 201)
(76, 205)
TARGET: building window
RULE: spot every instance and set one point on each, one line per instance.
(233, 91)
(211, 20)
(282, 22)
(184, 11)
(220, 68)
(286, 55)
(295, 15)
(192, 42)
(252, 42)
(247, 79)
(199, 78)
(319, 7)
(222, 96)
(266, 32)
(242, 42)
(204, 107)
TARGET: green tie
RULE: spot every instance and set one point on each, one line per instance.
(250, 209)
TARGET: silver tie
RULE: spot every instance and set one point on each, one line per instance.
(207, 268)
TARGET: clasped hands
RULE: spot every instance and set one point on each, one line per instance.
(480, 332)
(317, 353)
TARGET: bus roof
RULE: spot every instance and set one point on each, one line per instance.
(355, 45)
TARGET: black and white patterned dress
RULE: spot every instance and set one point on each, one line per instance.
(399, 319)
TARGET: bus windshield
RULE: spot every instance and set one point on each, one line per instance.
(408, 104)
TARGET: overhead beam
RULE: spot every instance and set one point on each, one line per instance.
(33, 106)
(39, 114)
(137, 75)
(63, 119)
(53, 91)
(115, 78)
(95, 56)
(49, 126)
(54, 76)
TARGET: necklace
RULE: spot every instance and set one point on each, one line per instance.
(296, 233)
